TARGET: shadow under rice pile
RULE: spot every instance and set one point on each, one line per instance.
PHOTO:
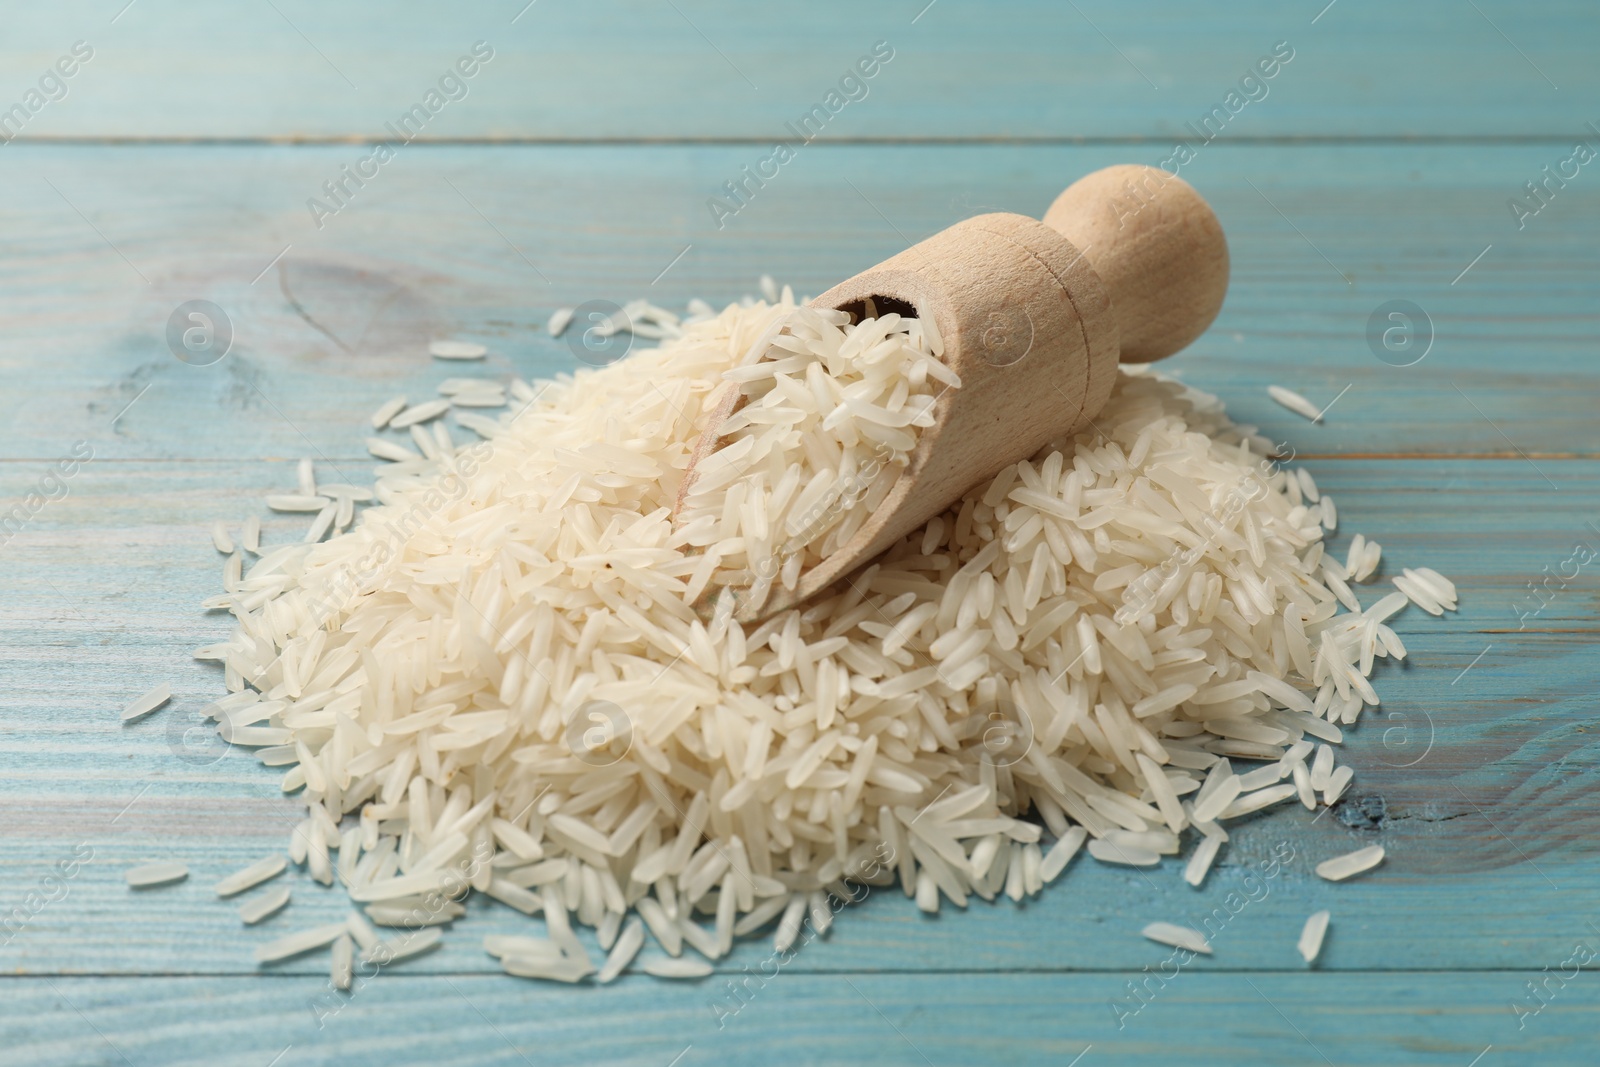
(513, 671)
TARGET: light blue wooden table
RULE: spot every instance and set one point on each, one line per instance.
(1376, 165)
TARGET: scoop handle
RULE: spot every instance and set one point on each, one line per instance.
(1157, 247)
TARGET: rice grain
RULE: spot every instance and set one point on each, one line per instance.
(1350, 864)
(1311, 935)
(153, 874)
(147, 702)
(1294, 402)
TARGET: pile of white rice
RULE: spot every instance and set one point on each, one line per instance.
(497, 679)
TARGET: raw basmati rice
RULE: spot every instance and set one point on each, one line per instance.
(501, 945)
(361, 931)
(1213, 805)
(1205, 853)
(1427, 589)
(1350, 864)
(830, 414)
(341, 961)
(147, 702)
(389, 409)
(1338, 781)
(1178, 937)
(1302, 785)
(479, 398)
(1126, 855)
(269, 903)
(627, 946)
(1321, 767)
(297, 501)
(418, 413)
(1443, 588)
(252, 876)
(678, 968)
(1055, 861)
(497, 678)
(1311, 935)
(456, 350)
(390, 451)
(153, 874)
(559, 318)
(399, 948)
(1294, 402)
(559, 970)
(299, 942)
(1246, 803)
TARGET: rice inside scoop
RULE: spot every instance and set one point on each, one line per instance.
(830, 413)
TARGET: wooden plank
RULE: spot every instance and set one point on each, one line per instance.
(486, 242)
(134, 536)
(718, 68)
(1473, 774)
(1199, 1020)
(118, 566)
(1420, 912)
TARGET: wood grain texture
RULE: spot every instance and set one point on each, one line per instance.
(485, 244)
(1483, 460)
(723, 69)
(1252, 1019)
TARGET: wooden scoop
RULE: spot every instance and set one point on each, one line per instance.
(1129, 264)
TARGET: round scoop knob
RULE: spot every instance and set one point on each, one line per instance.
(1158, 248)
